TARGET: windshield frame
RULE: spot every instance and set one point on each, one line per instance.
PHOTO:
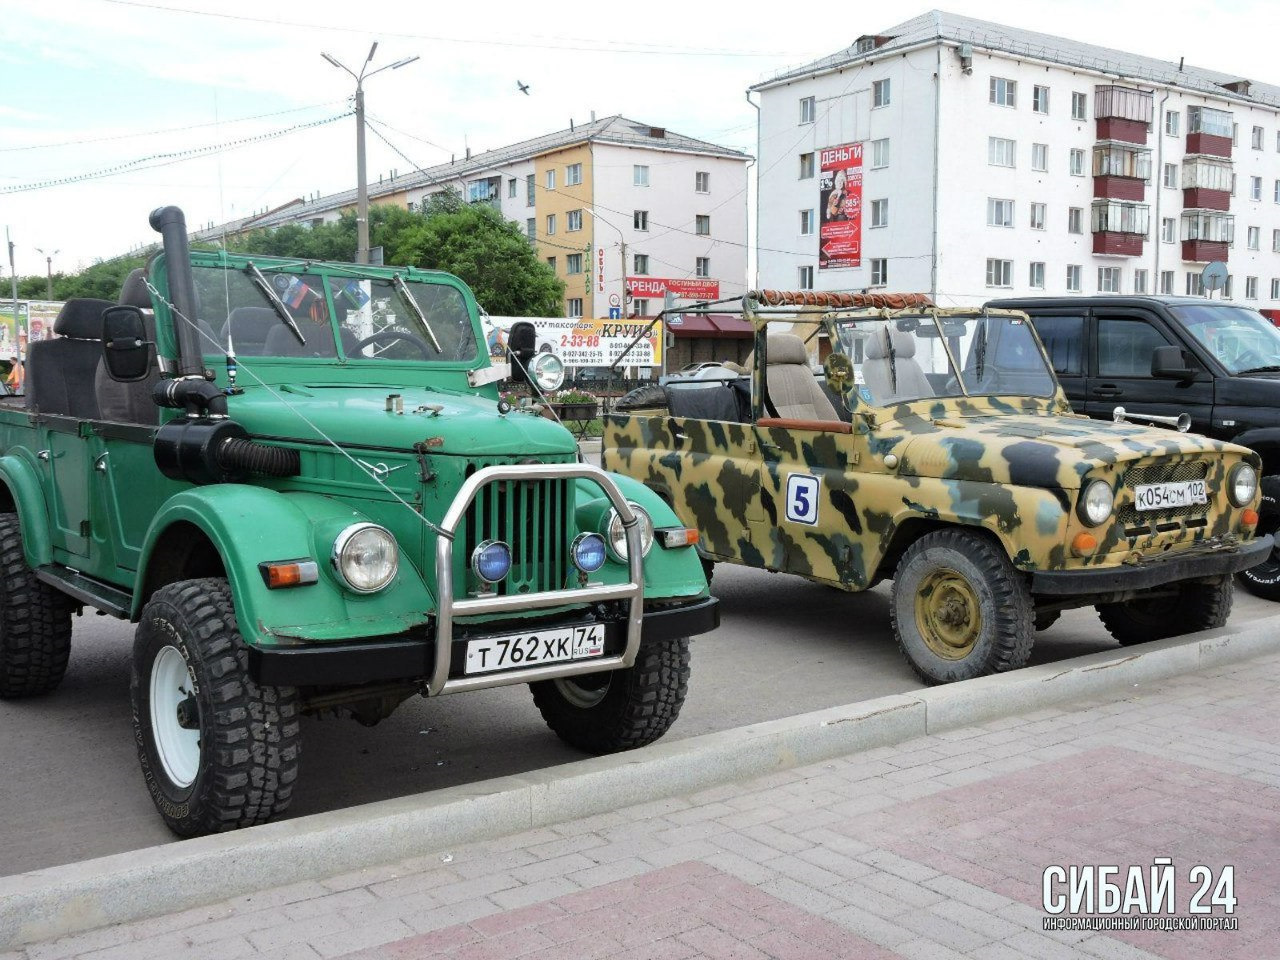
(1183, 315)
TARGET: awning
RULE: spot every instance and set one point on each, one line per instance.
(718, 326)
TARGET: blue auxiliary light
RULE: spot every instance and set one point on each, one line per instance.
(588, 552)
(491, 560)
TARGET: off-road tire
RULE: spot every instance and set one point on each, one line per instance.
(646, 395)
(1204, 605)
(1264, 579)
(638, 706)
(708, 568)
(35, 622)
(249, 734)
(1003, 601)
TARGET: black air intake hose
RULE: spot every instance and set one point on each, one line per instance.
(218, 451)
(196, 395)
(242, 454)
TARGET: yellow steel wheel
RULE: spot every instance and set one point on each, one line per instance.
(948, 614)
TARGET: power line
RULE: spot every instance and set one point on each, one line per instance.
(167, 159)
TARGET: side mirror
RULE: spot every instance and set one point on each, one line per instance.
(1168, 363)
(522, 345)
(125, 348)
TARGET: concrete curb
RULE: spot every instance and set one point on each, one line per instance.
(58, 901)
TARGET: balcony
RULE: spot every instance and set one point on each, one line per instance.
(1120, 229)
(1120, 171)
(1207, 235)
(1206, 183)
(1209, 131)
(1122, 113)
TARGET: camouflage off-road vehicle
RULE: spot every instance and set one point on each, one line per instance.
(942, 453)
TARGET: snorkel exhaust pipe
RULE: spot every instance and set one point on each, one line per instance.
(171, 224)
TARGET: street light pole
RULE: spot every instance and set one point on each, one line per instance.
(362, 186)
(48, 263)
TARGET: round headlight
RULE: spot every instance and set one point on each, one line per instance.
(491, 560)
(1096, 501)
(365, 556)
(547, 371)
(588, 552)
(1242, 484)
(618, 533)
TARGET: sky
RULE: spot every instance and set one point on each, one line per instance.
(227, 108)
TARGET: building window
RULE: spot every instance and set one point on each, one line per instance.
(880, 213)
(573, 220)
(806, 278)
(880, 93)
(1275, 288)
(531, 228)
(1038, 212)
(999, 273)
(1226, 290)
(530, 188)
(999, 212)
(1000, 152)
(573, 175)
(551, 262)
(1251, 284)
(1255, 188)
(1235, 134)
(1171, 176)
(879, 272)
(806, 222)
(641, 264)
(1040, 157)
(1079, 106)
(806, 110)
(1040, 100)
(1257, 139)
(640, 175)
(1073, 278)
(1166, 282)
(1003, 93)
(641, 308)
(551, 179)
(1075, 220)
(1036, 277)
(701, 182)
(806, 166)
(702, 267)
(1172, 126)
(640, 220)
(573, 263)
(1255, 238)
(702, 225)
(1168, 230)
(511, 188)
(1195, 285)
(575, 306)
(1275, 241)
(1116, 216)
(1077, 163)
(1140, 281)
(551, 224)
(880, 155)
(1233, 184)
(1208, 120)
(1276, 192)
(1108, 279)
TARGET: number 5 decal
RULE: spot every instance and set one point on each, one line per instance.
(802, 498)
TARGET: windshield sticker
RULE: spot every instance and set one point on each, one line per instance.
(355, 292)
(802, 498)
(295, 292)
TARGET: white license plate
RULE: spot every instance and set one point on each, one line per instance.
(1167, 496)
(533, 649)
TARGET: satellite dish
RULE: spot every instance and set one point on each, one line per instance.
(1214, 276)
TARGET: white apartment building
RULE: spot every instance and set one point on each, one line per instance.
(623, 211)
(1033, 164)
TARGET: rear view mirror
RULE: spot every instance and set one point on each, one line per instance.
(125, 348)
(1168, 363)
(522, 344)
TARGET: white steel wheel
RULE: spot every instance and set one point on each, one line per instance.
(175, 717)
(584, 692)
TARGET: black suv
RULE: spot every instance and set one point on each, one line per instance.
(1214, 360)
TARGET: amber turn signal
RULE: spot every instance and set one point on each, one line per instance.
(1249, 518)
(1084, 544)
(289, 573)
(671, 537)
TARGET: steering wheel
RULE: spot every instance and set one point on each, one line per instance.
(389, 336)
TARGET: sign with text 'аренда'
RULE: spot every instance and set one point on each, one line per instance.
(697, 288)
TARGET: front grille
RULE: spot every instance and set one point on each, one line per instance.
(1161, 472)
(535, 517)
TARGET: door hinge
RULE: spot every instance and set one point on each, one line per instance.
(86, 528)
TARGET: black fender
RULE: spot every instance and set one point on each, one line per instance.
(1265, 442)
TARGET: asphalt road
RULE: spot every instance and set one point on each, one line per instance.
(72, 788)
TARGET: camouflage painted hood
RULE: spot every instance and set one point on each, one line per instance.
(1034, 451)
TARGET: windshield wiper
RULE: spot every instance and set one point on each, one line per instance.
(407, 295)
(1270, 368)
(276, 303)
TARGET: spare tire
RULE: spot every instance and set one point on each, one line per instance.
(647, 395)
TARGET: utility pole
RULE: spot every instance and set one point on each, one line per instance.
(48, 263)
(13, 280)
(362, 186)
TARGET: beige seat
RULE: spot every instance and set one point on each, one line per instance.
(793, 390)
(906, 380)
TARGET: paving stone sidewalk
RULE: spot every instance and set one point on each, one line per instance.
(932, 850)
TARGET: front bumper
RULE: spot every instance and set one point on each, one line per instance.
(1156, 572)
(413, 656)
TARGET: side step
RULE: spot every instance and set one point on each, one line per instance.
(93, 593)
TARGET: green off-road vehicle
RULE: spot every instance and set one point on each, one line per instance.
(941, 453)
(301, 483)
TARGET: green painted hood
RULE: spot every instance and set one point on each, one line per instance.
(356, 416)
